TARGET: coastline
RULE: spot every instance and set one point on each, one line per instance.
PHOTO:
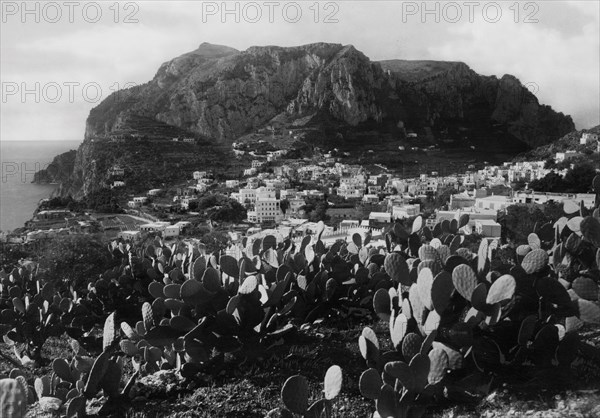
(19, 193)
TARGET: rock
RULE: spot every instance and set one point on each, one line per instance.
(50, 404)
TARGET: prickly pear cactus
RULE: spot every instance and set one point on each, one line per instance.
(13, 400)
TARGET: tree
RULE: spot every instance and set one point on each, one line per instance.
(579, 179)
(284, 204)
(551, 182)
(519, 220)
(550, 163)
(73, 259)
(315, 210)
(215, 241)
(221, 208)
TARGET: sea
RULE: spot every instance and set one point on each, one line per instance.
(20, 160)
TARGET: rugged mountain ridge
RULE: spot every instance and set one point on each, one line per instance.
(219, 94)
(222, 93)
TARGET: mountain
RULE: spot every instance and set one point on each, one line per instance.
(218, 94)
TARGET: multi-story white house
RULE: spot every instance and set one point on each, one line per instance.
(267, 210)
(265, 192)
(352, 186)
(247, 196)
(185, 201)
(230, 184)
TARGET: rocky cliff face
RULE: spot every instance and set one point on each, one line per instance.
(219, 93)
(58, 171)
(442, 92)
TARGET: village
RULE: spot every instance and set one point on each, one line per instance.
(278, 192)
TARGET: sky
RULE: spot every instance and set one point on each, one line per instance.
(60, 59)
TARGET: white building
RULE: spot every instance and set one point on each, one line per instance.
(138, 201)
(201, 187)
(493, 202)
(230, 184)
(247, 196)
(265, 192)
(588, 138)
(186, 200)
(567, 155)
(117, 183)
(380, 217)
(266, 210)
(154, 192)
(199, 175)
(370, 198)
(129, 235)
(488, 228)
(171, 231)
(154, 226)
(588, 199)
(405, 211)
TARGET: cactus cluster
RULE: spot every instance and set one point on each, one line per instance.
(452, 310)
(452, 313)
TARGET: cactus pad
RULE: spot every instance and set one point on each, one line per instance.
(370, 384)
(501, 290)
(424, 285)
(427, 252)
(401, 371)
(419, 365)
(590, 229)
(439, 363)
(13, 400)
(535, 261)
(294, 394)
(381, 304)
(411, 345)
(588, 311)
(333, 382)
(464, 280)
(441, 291)
(586, 288)
(534, 241)
(399, 330)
